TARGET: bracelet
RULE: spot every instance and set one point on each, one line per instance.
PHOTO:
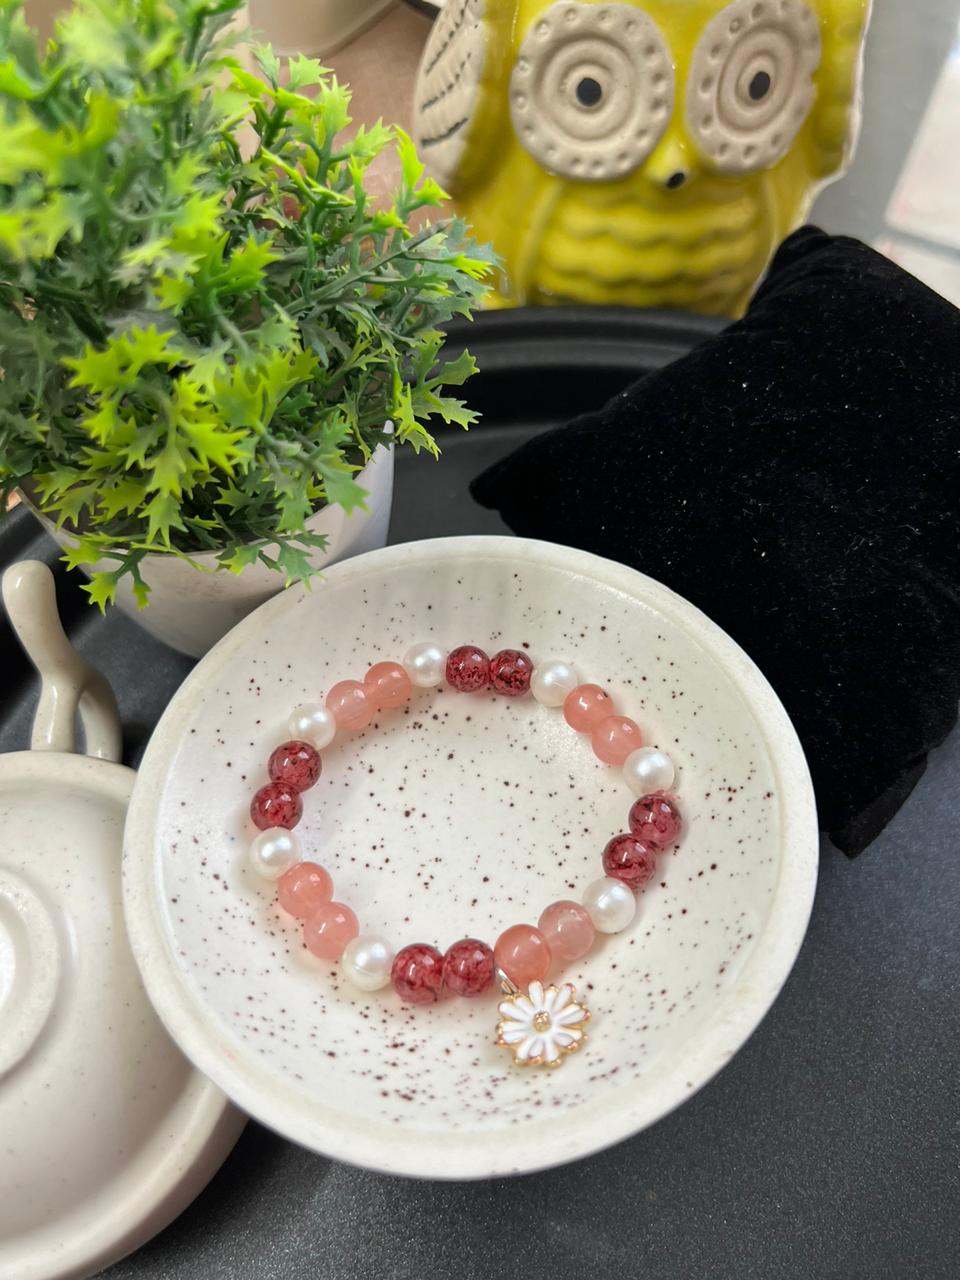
(544, 1023)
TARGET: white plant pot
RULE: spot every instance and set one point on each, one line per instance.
(191, 608)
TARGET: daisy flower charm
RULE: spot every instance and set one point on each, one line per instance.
(539, 1028)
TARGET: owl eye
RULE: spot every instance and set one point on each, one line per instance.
(589, 92)
(592, 90)
(751, 82)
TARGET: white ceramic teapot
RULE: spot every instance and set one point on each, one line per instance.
(107, 1131)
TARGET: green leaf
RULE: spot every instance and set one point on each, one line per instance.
(117, 365)
(244, 269)
(369, 141)
(84, 550)
(162, 49)
(91, 38)
(343, 490)
(34, 234)
(102, 590)
(456, 372)
(27, 147)
(268, 62)
(163, 516)
(240, 558)
(303, 72)
(14, 84)
(126, 494)
(410, 164)
(247, 81)
(141, 590)
(295, 563)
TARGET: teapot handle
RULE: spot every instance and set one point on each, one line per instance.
(69, 684)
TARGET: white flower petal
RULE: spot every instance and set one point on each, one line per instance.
(535, 992)
(563, 1037)
(526, 1006)
(514, 1033)
(549, 999)
(524, 1049)
(563, 997)
(535, 1047)
(508, 1009)
(568, 1016)
(551, 1051)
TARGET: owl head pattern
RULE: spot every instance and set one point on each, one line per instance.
(671, 108)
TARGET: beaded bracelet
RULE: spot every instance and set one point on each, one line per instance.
(546, 1023)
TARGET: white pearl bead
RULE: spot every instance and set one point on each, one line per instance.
(367, 961)
(552, 681)
(273, 852)
(610, 904)
(426, 664)
(648, 769)
(313, 723)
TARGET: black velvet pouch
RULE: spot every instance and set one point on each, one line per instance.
(797, 477)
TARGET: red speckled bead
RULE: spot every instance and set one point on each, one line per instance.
(656, 821)
(468, 967)
(568, 930)
(510, 672)
(615, 738)
(468, 669)
(586, 706)
(328, 930)
(522, 953)
(303, 888)
(296, 764)
(388, 685)
(417, 973)
(276, 805)
(628, 859)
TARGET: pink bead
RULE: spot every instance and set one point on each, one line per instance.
(328, 930)
(468, 967)
(510, 672)
(296, 764)
(304, 888)
(387, 685)
(568, 930)
(276, 805)
(614, 738)
(628, 859)
(417, 973)
(468, 669)
(585, 707)
(656, 821)
(523, 954)
(350, 704)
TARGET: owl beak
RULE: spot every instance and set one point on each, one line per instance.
(672, 165)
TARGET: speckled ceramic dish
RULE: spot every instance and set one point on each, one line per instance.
(459, 817)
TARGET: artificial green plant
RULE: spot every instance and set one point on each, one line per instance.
(206, 323)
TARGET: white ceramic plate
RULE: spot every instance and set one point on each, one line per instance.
(457, 819)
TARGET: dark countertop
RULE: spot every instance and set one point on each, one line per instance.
(828, 1149)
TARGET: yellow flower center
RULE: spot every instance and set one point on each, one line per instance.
(541, 1021)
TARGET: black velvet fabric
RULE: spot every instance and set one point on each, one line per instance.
(798, 479)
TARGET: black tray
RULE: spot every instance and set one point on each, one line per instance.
(827, 1150)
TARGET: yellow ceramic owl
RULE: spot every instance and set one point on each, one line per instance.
(647, 154)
